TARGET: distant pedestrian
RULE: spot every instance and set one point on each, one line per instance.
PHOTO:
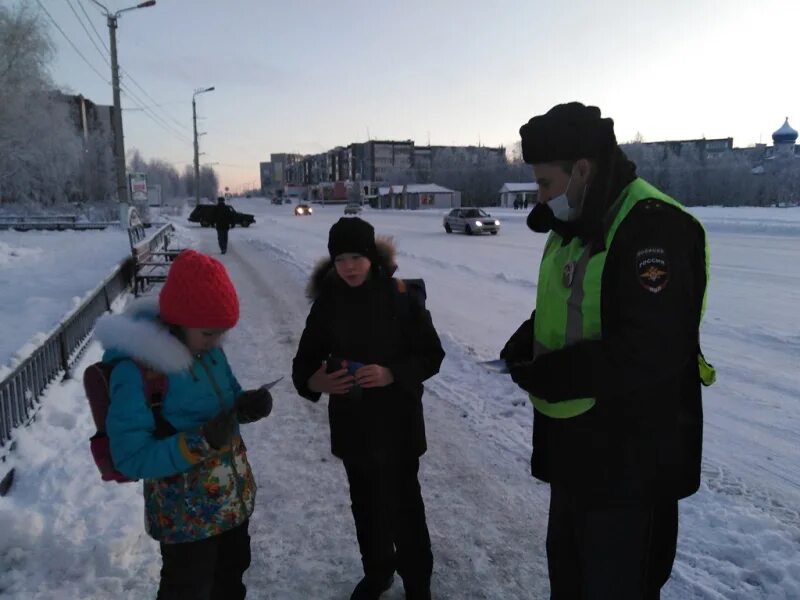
(223, 220)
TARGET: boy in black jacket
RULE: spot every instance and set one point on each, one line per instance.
(370, 344)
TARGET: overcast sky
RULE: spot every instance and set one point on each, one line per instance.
(307, 75)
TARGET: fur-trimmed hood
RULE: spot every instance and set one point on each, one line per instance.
(324, 274)
(139, 334)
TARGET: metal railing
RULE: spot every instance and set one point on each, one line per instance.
(21, 389)
(51, 223)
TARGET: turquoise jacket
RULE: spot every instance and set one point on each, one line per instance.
(191, 491)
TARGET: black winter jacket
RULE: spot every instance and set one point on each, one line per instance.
(643, 438)
(371, 324)
(223, 216)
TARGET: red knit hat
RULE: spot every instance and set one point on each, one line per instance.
(198, 293)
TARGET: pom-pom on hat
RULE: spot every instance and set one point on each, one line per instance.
(567, 132)
(198, 293)
(351, 234)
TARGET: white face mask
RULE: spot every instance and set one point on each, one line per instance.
(563, 208)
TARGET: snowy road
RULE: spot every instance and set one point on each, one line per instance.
(304, 542)
(64, 534)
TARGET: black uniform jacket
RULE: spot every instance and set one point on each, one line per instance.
(642, 440)
(371, 324)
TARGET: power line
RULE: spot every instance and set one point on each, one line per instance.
(151, 114)
(89, 35)
(66, 37)
(155, 102)
(236, 166)
(133, 97)
(138, 103)
(97, 33)
(129, 93)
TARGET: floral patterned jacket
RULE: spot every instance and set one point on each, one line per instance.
(191, 491)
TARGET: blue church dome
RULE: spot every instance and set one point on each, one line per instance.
(785, 135)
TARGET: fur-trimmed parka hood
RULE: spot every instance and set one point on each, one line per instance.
(324, 274)
(139, 334)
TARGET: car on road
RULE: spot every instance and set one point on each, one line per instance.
(470, 221)
(303, 210)
(352, 208)
(205, 214)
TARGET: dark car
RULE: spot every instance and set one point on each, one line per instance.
(303, 210)
(204, 214)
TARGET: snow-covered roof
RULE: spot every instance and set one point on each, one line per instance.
(530, 186)
(415, 188)
(384, 189)
(427, 188)
(786, 134)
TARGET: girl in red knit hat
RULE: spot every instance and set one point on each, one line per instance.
(199, 490)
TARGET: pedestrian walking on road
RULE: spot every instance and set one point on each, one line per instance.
(223, 221)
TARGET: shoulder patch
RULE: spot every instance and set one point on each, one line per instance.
(652, 269)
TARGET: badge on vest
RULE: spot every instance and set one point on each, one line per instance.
(568, 274)
(652, 269)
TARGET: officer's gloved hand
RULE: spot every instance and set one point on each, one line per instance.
(219, 430)
(253, 405)
(519, 347)
(525, 374)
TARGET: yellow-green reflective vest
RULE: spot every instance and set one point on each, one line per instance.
(568, 296)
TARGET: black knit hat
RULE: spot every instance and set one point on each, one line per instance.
(351, 234)
(567, 132)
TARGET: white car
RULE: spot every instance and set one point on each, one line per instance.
(352, 208)
(470, 220)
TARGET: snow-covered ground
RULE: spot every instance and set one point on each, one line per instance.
(65, 534)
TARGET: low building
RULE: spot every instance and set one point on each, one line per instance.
(415, 196)
(522, 193)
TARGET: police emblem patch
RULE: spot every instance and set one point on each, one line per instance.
(652, 269)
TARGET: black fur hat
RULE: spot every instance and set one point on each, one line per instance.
(567, 132)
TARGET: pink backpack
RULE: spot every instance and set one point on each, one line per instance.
(96, 384)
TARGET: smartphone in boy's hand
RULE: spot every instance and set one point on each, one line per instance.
(333, 364)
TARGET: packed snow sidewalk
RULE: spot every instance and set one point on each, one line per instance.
(68, 535)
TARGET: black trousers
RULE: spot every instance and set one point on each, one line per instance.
(604, 552)
(390, 523)
(209, 569)
(222, 238)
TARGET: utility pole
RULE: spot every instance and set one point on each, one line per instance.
(116, 121)
(119, 142)
(196, 145)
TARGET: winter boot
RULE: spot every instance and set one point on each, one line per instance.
(370, 589)
(418, 593)
(417, 588)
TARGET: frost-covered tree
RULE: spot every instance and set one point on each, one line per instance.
(40, 150)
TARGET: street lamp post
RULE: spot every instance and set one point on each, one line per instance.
(116, 122)
(196, 147)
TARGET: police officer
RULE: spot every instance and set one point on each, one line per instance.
(610, 358)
